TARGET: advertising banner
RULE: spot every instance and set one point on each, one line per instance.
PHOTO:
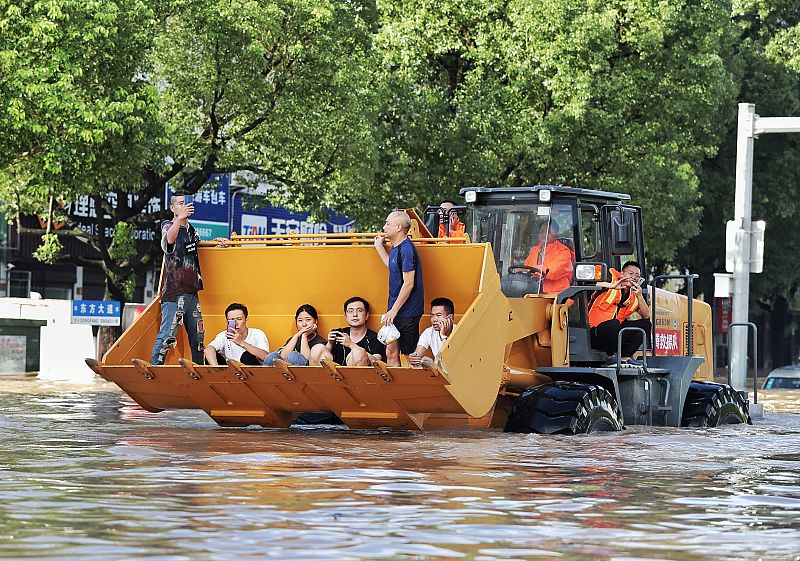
(724, 308)
(251, 221)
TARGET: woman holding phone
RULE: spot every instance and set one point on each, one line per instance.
(297, 350)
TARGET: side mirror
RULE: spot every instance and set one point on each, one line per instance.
(622, 232)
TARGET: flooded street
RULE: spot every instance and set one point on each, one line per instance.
(85, 474)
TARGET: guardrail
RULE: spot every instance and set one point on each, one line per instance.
(752, 326)
(318, 239)
(644, 346)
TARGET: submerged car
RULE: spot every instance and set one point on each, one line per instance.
(783, 378)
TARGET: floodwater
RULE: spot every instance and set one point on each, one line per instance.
(85, 474)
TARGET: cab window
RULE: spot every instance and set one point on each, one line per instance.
(537, 241)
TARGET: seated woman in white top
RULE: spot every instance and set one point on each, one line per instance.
(433, 339)
(239, 342)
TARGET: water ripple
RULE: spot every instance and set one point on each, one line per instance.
(87, 474)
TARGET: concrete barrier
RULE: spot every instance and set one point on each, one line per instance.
(63, 346)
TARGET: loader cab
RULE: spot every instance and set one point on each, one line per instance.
(595, 226)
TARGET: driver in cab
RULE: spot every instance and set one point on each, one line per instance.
(552, 260)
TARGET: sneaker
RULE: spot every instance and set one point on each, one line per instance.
(613, 361)
(635, 362)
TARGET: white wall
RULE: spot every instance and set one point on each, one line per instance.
(63, 346)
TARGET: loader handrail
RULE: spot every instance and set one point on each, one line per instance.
(750, 325)
(644, 346)
(568, 293)
(689, 278)
(364, 238)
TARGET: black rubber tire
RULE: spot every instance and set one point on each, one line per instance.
(564, 408)
(709, 404)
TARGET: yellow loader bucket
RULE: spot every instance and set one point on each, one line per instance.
(272, 276)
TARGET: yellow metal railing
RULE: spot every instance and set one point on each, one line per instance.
(292, 239)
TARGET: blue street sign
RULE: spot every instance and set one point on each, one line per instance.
(95, 312)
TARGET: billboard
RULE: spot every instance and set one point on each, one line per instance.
(211, 208)
(83, 212)
(270, 220)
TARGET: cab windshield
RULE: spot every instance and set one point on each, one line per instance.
(533, 245)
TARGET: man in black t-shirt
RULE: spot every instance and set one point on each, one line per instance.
(182, 282)
(355, 345)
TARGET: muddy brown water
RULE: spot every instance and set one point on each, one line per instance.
(85, 474)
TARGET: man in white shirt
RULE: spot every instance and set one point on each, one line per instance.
(239, 342)
(433, 339)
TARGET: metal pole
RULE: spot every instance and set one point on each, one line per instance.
(749, 325)
(741, 267)
(690, 296)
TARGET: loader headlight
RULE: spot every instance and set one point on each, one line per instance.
(588, 272)
(545, 195)
(470, 196)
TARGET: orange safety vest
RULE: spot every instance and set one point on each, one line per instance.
(609, 304)
(558, 264)
(457, 231)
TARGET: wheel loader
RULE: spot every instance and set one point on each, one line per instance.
(519, 360)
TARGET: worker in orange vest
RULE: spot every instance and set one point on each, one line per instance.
(451, 219)
(610, 309)
(552, 259)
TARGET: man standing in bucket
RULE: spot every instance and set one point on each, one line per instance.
(182, 282)
(406, 294)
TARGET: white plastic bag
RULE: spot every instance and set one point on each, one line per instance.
(388, 334)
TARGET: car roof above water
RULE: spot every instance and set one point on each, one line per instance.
(788, 371)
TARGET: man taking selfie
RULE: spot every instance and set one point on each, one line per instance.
(182, 281)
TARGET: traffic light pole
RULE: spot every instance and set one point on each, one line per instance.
(749, 128)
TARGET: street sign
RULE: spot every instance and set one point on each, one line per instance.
(735, 236)
(95, 312)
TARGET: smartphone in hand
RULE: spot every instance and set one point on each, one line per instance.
(231, 326)
(188, 200)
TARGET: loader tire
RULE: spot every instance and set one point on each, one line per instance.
(709, 404)
(564, 408)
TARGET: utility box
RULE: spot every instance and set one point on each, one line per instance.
(19, 344)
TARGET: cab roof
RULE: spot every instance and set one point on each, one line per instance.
(530, 192)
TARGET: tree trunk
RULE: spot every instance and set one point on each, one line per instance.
(107, 335)
(50, 211)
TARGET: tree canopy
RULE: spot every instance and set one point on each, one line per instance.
(360, 107)
(621, 96)
(133, 96)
